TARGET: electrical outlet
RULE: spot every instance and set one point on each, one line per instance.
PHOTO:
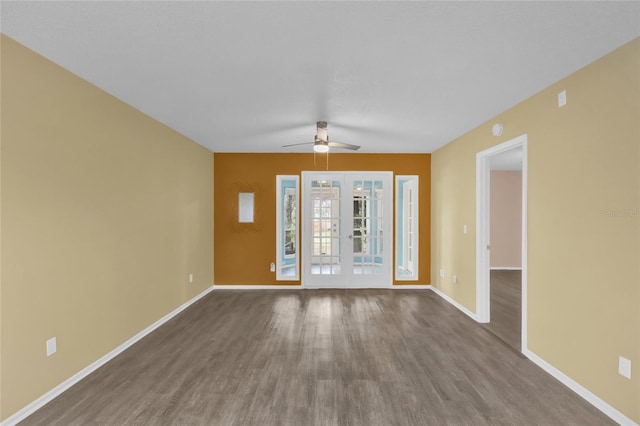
(272, 267)
(624, 367)
(465, 229)
(441, 273)
(454, 279)
(52, 346)
(190, 278)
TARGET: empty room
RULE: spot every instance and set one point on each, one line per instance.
(319, 213)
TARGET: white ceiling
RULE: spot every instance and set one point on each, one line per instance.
(507, 160)
(390, 76)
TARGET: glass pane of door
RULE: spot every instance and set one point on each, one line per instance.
(368, 221)
(325, 227)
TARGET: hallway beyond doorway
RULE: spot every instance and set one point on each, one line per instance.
(506, 306)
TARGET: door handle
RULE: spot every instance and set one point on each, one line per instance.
(350, 237)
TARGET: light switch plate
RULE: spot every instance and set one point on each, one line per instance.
(51, 346)
(624, 367)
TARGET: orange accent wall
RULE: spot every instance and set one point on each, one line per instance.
(243, 251)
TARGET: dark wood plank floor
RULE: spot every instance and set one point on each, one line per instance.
(319, 357)
(506, 307)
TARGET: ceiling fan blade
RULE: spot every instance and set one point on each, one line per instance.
(296, 144)
(343, 145)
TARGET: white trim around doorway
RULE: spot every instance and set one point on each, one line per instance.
(482, 231)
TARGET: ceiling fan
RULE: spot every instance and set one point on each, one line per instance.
(322, 142)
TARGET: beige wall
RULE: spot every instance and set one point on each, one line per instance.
(105, 212)
(584, 222)
(506, 218)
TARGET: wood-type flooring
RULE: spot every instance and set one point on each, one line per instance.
(506, 307)
(319, 357)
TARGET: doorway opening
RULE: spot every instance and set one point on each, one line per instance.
(501, 241)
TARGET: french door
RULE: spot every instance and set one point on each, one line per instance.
(346, 229)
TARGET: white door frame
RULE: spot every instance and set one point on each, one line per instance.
(483, 289)
(387, 225)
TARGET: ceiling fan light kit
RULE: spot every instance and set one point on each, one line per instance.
(321, 146)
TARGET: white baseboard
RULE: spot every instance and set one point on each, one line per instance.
(506, 268)
(580, 390)
(299, 287)
(454, 303)
(256, 287)
(411, 287)
(53, 393)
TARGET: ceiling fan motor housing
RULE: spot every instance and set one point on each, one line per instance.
(321, 133)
